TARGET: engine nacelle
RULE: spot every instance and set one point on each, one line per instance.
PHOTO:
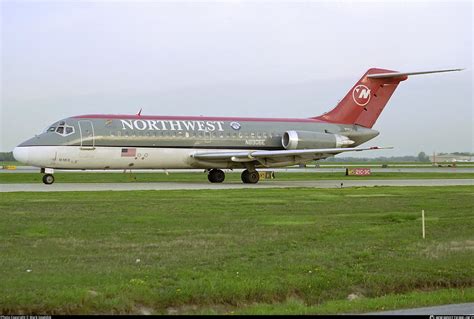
(295, 140)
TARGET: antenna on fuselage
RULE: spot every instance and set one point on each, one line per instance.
(139, 112)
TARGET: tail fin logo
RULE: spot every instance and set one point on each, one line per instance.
(361, 95)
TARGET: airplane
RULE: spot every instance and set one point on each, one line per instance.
(213, 143)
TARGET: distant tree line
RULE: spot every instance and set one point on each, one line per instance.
(457, 153)
(6, 156)
(421, 157)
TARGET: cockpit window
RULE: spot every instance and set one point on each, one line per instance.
(63, 129)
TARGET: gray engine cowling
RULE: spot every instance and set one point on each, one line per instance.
(294, 140)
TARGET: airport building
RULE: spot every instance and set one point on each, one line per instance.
(443, 158)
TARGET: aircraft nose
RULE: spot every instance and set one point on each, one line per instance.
(21, 154)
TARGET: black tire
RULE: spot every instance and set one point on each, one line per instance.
(245, 176)
(48, 179)
(254, 177)
(250, 177)
(216, 176)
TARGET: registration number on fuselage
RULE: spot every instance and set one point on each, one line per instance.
(254, 142)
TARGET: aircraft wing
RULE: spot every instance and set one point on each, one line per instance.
(250, 156)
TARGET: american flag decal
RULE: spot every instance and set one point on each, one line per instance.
(129, 152)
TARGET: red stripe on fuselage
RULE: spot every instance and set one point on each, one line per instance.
(194, 118)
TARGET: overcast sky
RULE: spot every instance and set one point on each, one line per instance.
(239, 58)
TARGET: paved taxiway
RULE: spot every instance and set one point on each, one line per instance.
(456, 309)
(415, 169)
(80, 187)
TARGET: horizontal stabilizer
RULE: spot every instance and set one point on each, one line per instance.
(403, 74)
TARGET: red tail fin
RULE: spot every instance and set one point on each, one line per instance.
(366, 100)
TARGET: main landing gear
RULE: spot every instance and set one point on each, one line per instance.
(248, 177)
(216, 176)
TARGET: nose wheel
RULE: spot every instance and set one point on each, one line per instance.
(250, 177)
(216, 176)
(48, 179)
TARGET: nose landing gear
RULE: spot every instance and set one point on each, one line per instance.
(48, 179)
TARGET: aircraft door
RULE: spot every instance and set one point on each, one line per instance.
(87, 135)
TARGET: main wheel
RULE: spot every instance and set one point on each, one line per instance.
(216, 176)
(250, 177)
(48, 179)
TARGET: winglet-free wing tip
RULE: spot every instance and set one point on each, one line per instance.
(381, 148)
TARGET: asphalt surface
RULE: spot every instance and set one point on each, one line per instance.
(457, 309)
(80, 187)
(415, 169)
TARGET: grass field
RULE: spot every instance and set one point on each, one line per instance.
(202, 177)
(236, 251)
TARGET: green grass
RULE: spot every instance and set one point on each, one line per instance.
(242, 251)
(202, 177)
(360, 305)
(13, 163)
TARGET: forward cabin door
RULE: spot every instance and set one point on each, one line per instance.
(86, 129)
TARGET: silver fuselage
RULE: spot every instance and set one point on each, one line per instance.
(98, 141)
